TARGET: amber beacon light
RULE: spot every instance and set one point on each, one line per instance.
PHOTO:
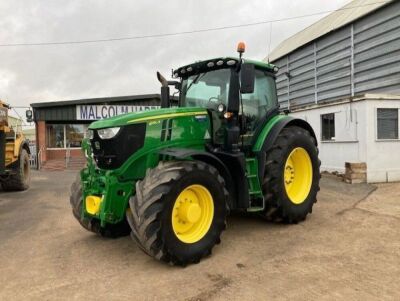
(241, 47)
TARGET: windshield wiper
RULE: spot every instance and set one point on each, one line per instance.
(196, 79)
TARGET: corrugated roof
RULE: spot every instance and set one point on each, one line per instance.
(345, 15)
(95, 100)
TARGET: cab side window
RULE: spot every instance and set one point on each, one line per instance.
(258, 103)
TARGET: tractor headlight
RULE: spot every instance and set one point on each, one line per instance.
(108, 133)
(221, 108)
(90, 134)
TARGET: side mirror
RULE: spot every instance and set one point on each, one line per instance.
(177, 86)
(247, 76)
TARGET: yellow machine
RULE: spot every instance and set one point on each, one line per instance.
(14, 155)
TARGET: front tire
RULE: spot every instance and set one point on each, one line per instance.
(92, 224)
(19, 181)
(291, 179)
(179, 211)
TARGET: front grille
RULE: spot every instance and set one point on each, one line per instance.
(112, 153)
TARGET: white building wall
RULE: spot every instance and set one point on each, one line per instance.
(349, 144)
(356, 137)
(383, 156)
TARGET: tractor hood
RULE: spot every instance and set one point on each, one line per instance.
(146, 116)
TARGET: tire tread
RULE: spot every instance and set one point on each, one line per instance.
(274, 210)
(147, 206)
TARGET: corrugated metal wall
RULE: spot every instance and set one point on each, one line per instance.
(362, 57)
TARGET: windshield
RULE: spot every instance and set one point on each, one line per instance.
(206, 90)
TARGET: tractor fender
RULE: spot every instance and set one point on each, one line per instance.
(273, 134)
(206, 157)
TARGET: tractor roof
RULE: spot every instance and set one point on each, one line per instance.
(219, 63)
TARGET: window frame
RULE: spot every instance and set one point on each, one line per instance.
(200, 74)
(65, 135)
(376, 125)
(47, 136)
(334, 128)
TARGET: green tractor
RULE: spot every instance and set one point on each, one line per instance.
(170, 176)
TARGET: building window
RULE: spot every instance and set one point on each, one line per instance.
(55, 136)
(74, 134)
(328, 127)
(388, 123)
(65, 135)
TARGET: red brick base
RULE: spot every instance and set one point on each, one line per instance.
(52, 154)
(56, 154)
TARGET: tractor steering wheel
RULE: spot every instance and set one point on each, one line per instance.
(213, 97)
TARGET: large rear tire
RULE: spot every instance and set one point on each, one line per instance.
(92, 224)
(291, 179)
(179, 211)
(21, 179)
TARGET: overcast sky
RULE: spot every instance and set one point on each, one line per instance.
(50, 73)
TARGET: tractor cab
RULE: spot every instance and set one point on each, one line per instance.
(238, 94)
(209, 87)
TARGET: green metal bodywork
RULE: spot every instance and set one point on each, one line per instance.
(189, 129)
(265, 131)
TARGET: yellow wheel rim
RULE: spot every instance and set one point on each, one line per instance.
(298, 175)
(193, 213)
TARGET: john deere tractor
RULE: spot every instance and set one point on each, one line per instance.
(14, 155)
(171, 176)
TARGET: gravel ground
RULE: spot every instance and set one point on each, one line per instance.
(348, 249)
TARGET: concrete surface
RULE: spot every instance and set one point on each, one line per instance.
(348, 249)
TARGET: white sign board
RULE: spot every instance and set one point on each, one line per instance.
(97, 112)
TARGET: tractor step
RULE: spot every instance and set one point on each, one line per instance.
(255, 209)
(257, 202)
(256, 205)
(252, 178)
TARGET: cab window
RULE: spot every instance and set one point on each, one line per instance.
(258, 103)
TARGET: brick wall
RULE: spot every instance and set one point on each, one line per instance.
(57, 154)
(41, 137)
(52, 154)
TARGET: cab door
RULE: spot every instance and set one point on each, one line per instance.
(256, 105)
